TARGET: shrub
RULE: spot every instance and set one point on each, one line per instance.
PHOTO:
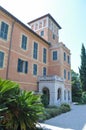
(44, 100)
(52, 111)
(65, 107)
(84, 97)
(19, 109)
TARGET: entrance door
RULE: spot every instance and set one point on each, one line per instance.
(46, 93)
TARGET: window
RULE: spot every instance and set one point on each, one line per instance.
(44, 71)
(68, 95)
(22, 66)
(32, 26)
(59, 94)
(35, 69)
(35, 50)
(68, 75)
(40, 24)
(64, 94)
(4, 30)
(42, 33)
(1, 59)
(44, 23)
(64, 56)
(68, 59)
(54, 36)
(36, 26)
(24, 42)
(44, 55)
(64, 74)
(54, 55)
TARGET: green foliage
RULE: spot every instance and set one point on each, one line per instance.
(45, 100)
(76, 87)
(65, 107)
(84, 97)
(53, 111)
(82, 69)
(18, 107)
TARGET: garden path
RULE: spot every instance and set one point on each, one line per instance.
(73, 120)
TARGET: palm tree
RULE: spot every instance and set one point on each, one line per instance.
(18, 107)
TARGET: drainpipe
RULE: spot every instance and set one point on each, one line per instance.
(10, 46)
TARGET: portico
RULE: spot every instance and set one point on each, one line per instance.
(53, 86)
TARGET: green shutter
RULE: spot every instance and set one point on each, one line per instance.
(26, 67)
(1, 59)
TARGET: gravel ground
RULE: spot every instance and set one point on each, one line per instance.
(73, 120)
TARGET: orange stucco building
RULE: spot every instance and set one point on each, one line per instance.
(32, 53)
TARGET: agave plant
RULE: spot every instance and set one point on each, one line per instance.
(18, 108)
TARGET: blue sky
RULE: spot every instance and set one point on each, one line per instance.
(70, 14)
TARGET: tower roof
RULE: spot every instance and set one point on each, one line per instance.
(47, 15)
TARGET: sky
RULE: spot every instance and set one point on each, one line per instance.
(69, 14)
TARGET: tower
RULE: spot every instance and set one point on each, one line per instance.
(47, 28)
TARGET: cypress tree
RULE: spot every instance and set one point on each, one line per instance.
(82, 69)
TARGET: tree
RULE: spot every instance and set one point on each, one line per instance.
(76, 88)
(19, 109)
(82, 69)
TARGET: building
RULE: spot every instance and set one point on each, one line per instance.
(34, 57)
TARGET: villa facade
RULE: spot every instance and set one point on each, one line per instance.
(33, 56)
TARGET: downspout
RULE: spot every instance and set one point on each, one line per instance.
(10, 46)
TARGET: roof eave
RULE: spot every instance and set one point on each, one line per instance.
(17, 20)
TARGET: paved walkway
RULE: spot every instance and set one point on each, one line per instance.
(73, 120)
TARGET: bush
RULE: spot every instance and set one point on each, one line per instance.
(65, 107)
(44, 100)
(19, 109)
(84, 97)
(52, 111)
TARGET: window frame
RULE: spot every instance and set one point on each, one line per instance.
(68, 75)
(55, 58)
(25, 38)
(35, 50)
(42, 33)
(2, 60)
(22, 66)
(44, 71)
(65, 56)
(4, 30)
(44, 55)
(35, 69)
(68, 59)
(54, 36)
(65, 74)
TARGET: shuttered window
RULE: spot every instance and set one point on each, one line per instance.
(1, 59)
(24, 42)
(4, 30)
(44, 71)
(22, 66)
(55, 57)
(35, 50)
(44, 55)
(35, 69)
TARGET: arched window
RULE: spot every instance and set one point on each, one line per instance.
(59, 94)
(46, 93)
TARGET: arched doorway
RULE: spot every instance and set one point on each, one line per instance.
(46, 93)
(59, 94)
